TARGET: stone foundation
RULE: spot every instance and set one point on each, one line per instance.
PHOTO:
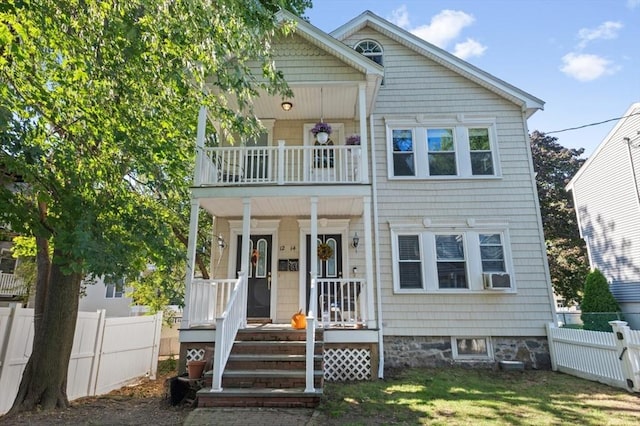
(435, 351)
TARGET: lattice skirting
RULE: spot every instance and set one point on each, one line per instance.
(343, 364)
(195, 354)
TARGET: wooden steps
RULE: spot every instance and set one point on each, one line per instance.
(266, 368)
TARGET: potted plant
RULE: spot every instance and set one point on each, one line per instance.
(321, 131)
(353, 140)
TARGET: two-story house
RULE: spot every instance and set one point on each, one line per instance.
(421, 245)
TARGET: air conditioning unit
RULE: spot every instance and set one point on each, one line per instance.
(496, 280)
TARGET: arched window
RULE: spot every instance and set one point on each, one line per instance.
(371, 50)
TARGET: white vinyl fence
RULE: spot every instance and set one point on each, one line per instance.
(107, 353)
(605, 357)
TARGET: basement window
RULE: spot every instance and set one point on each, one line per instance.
(471, 348)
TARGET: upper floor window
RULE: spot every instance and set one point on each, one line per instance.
(115, 288)
(7, 261)
(454, 151)
(371, 50)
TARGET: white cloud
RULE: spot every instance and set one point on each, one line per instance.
(584, 67)
(606, 31)
(400, 17)
(469, 48)
(445, 27)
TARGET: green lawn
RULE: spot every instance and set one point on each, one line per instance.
(457, 396)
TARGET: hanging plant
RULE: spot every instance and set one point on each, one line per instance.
(324, 251)
(321, 127)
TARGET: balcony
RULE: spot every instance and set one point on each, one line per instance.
(11, 285)
(279, 165)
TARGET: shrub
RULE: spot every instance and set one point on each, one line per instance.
(598, 304)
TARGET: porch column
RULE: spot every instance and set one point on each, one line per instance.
(364, 146)
(313, 243)
(244, 259)
(191, 260)
(200, 137)
(368, 254)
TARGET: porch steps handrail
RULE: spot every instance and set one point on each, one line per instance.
(311, 336)
(227, 326)
(280, 165)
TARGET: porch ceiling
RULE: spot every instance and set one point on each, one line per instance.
(284, 206)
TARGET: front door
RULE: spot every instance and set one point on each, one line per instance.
(328, 269)
(259, 276)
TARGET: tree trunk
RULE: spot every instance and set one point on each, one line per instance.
(44, 382)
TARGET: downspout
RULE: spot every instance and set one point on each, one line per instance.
(376, 224)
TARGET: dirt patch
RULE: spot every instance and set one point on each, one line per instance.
(145, 402)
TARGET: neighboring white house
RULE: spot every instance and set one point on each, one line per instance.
(110, 295)
(606, 195)
(430, 236)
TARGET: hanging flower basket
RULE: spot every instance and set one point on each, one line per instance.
(353, 140)
(321, 127)
(324, 251)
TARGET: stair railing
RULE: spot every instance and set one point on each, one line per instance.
(311, 335)
(227, 326)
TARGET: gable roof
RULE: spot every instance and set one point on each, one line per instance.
(528, 102)
(633, 110)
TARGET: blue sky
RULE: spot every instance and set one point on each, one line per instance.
(582, 57)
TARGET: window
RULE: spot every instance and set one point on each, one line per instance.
(471, 348)
(455, 260)
(371, 50)
(115, 288)
(409, 262)
(7, 262)
(403, 158)
(450, 261)
(454, 151)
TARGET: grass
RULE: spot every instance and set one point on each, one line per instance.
(457, 396)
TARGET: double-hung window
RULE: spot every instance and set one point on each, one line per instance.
(114, 287)
(442, 151)
(453, 260)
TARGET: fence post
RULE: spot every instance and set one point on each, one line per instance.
(552, 347)
(155, 350)
(97, 353)
(622, 335)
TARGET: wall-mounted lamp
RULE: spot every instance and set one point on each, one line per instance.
(286, 105)
(221, 243)
(355, 271)
(355, 241)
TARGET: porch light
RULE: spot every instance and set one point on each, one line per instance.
(286, 105)
(355, 271)
(355, 241)
(221, 243)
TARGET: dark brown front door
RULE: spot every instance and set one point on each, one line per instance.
(259, 277)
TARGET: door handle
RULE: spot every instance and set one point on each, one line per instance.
(269, 281)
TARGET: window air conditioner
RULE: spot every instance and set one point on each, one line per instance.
(496, 280)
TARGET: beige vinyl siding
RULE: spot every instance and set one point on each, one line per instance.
(301, 61)
(607, 203)
(415, 86)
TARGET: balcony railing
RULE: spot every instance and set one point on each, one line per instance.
(280, 165)
(11, 285)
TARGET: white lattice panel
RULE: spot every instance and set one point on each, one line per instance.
(195, 354)
(347, 364)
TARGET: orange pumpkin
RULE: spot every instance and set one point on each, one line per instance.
(299, 320)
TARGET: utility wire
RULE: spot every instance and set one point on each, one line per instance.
(592, 124)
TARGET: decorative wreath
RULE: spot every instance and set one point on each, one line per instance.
(324, 251)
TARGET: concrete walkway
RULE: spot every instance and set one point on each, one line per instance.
(253, 416)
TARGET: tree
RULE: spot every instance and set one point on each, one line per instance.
(554, 166)
(98, 103)
(598, 304)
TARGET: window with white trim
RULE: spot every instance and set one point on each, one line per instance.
(471, 348)
(371, 49)
(115, 288)
(451, 261)
(442, 151)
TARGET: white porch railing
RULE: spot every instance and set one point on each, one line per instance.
(342, 302)
(280, 165)
(227, 327)
(11, 285)
(207, 299)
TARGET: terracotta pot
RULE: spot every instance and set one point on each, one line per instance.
(195, 369)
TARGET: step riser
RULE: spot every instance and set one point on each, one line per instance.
(249, 401)
(271, 365)
(269, 382)
(275, 336)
